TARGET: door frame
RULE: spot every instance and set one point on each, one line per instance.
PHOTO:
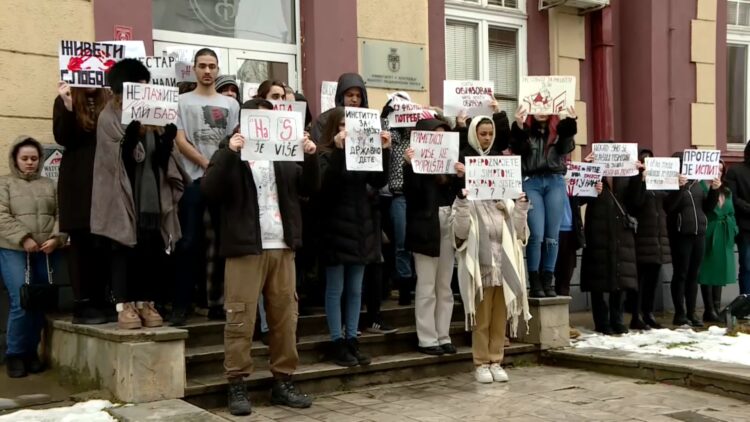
(234, 56)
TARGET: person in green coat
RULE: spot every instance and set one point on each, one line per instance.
(718, 269)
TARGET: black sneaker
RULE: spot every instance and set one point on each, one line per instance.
(285, 393)
(361, 358)
(341, 355)
(15, 367)
(449, 349)
(85, 313)
(216, 313)
(380, 328)
(33, 364)
(237, 400)
(432, 350)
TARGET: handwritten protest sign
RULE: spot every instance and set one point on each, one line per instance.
(328, 95)
(701, 164)
(249, 90)
(295, 106)
(86, 64)
(547, 94)
(185, 56)
(272, 135)
(364, 151)
(581, 178)
(149, 104)
(474, 97)
(662, 173)
(618, 159)
(434, 152)
(407, 114)
(163, 69)
(493, 177)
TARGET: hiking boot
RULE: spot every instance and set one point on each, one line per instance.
(285, 393)
(237, 401)
(432, 350)
(149, 315)
(15, 367)
(128, 318)
(449, 349)
(547, 277)
(85, 313)
(33, 364)
(380, 328)
(341, 355)
(535, 283)
(353, 344)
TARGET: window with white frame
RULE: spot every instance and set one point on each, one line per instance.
(486, 40)
(738, 12)
(738, 72)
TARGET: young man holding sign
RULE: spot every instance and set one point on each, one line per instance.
(259, 234)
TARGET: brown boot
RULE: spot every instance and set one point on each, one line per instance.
(128, 318)
(149, 315)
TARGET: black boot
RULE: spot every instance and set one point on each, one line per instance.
(709, 313)
(678, 299)
(15, 367)
(33, 364)
(636, 323)
(341, 355)
(85, 313)
(547, 277)
(237, 400)
(650, 319)
(285, 393)
(353, 344)
(535, 283)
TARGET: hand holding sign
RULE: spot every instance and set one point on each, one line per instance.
(701, 164)
(365, 141)
(520, 116)
(237, 142)
(385, 138)
(150, 104)
(63, 90)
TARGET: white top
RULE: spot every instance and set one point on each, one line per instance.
(271, 228)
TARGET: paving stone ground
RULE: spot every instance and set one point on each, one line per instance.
(534, 394)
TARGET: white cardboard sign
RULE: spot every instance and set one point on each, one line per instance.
(701, 164)
(272, 135)
(493, 177)
(149, 104)
(547, 94)
(473, 97)
(327, 95)
(364, 151)
(662, 173)
(295, 106)
(619, 160)
(86, 64)
(581, 178)
(163, 69)
(434, 152)
(407, 114)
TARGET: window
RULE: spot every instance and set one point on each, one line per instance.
(503, 58)
(461, 40)
(737, 93)
(504, 3)
(738, 12)
(511, 4)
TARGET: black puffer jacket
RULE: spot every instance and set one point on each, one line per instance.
(686, 209)
(530, 143)
(346, 81)
(609, 259)
(349, 230)
(652, 239)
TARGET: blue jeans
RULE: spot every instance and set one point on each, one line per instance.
(24, 327)
(743, 247)
(547, 196)
(262, 313)
(336, 277)
(398, 219)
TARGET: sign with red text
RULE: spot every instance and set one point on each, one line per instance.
(547, 94)
(407, 114)
(619, 160)
(295, 106)
(434, 152)
(327, 95)
(581, 178)
(364, 149)
(272, 135)
(662, 173)
(701, 164)
(493, 177)
(473, 97)
(149, 104)
(86, 64)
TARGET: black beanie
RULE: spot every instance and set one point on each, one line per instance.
(127, 70)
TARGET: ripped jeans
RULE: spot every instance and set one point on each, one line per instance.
(547, 195)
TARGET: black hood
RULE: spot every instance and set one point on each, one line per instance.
(431, 125)
(350, 80)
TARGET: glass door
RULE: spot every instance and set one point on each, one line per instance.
(256, 67)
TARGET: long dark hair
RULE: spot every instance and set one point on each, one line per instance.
(87, 113)
(265, 88)
(330, 129)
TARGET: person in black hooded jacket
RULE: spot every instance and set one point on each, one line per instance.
(350, 92)
(738, 181)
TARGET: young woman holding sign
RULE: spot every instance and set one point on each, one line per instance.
(543, 142)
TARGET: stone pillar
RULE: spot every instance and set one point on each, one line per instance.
(549, 326)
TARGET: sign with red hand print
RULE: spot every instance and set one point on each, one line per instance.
(86, 64)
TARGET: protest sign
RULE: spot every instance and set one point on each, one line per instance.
(364, 151)
(701, 164)
(86, 64)
(133, 48)
(407, 114)
(249, 89)
(51, 166)
(547, 94)
(618, 159)
(473, 97)
(163, 69)
(581, 178)
(434, 152)
(185, 56)
(327, 95)
(149, 104)
(493, 177)
(272, 135)
(295, 106)
(662, 173)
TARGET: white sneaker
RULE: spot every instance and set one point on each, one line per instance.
(498, 373)
(483, 374)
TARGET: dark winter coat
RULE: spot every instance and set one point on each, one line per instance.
(536, 156)
(229, 183)
(686, 209)
(576, 203)
(652, 239)
(349, 228)
(609, 258)
(346, 81)
(502, 133)
(76, 177)
(738, 181)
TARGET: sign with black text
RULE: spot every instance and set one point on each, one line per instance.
(86, 64)
(547, 94)
(473, 97)
(407, 114)
(364, 150)
(662, 173)
(149, 104)
(619, 160)
(163, 69)
(701, 164)
(272, 135)
(434, 152)
(493, 177)
(295, 106)
(581, 178)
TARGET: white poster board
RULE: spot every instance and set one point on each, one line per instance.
(434, 152)
(364, 151)
(662, 173)
(272, 135)
(249, 90)
(619, 160)
(701, 164)
(473, 97)
(493, 177)
(133, 48)
(581, 178)
(163, 69)
(547, 94)
(295, 106)
(407, 114)
(149, 104)
(51, 166)
(86, 64)
(327, 95)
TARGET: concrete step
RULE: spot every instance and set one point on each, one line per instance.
(209, 391)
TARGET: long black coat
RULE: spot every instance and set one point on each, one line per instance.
(424, 197)
(609, 260)
(76, 170)
(652, 239)
(349, 229)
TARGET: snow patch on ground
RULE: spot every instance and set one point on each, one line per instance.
(711, 345)
(90, 411)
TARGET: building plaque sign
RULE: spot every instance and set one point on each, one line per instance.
(393, 65)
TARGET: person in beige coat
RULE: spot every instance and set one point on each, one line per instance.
(28, 240)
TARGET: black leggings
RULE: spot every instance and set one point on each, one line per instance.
(687, 256)
(87, 268)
